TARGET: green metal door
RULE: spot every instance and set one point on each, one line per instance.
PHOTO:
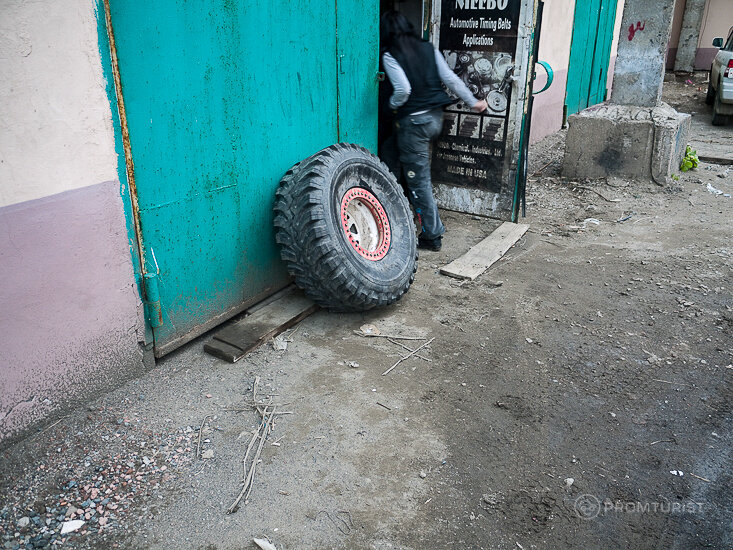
(358, 64)
(221, 98)
(590, 52)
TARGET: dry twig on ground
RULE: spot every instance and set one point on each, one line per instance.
(408, 356)
(410, 350)
(596, 192)
(249, 469)
(393, 336)
(201, 429)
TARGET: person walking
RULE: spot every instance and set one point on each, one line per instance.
(417, 71)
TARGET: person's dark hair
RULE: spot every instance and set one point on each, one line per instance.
(398, 36)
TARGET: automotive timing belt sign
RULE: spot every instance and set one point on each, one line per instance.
(478, 39)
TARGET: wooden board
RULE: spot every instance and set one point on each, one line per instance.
(234, 341)
(477, 260)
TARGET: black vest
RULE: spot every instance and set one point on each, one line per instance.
(427, 88)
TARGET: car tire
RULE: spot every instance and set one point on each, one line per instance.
(345, 230)
(718, 118)
(710, 96)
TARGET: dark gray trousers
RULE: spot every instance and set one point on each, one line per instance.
(413, 136)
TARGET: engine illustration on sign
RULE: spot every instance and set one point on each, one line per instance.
(486, 76)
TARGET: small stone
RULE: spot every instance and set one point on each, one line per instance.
(568, 482)
(353, 364)
(370, 330)
(279, 343)
(423, 475)
(24, 522)
(492, 499)
(207, 454)
(71, 526)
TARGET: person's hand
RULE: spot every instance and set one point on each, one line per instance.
(480, 107)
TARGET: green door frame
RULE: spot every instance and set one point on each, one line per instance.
(590, 51)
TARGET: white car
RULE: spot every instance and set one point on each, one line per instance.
(720, 86)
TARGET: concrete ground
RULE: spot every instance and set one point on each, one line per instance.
(576, 395)
(686, 93)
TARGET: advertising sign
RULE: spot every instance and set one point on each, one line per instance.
(478, 39)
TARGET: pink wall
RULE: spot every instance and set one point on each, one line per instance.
(548, 106)
(69, 316)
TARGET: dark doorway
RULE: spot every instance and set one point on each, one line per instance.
(416, 12)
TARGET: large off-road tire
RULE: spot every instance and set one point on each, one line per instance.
(345, 230)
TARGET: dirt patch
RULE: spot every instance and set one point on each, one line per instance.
(564, 388)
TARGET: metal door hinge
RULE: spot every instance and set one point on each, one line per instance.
(153, 311)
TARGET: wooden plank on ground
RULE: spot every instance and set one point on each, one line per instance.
(477, 260)
(236, 340)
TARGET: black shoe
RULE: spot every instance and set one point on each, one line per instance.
(430, 244)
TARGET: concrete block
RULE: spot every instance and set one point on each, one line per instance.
(626, 141)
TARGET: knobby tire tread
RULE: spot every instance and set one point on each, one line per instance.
(308, 246)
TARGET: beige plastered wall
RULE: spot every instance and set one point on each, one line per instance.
(717, 22)
(55, 120)
(70, 312)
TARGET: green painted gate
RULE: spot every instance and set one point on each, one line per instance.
(590, 53)
(221, 98)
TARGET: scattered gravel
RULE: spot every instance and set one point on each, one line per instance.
(102, 485)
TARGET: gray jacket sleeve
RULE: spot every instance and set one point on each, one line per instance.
(399, 81)
(402, 88)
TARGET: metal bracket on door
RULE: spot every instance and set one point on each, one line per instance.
(153, 310)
